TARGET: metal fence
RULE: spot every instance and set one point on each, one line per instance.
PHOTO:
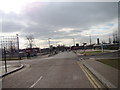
(9, 47)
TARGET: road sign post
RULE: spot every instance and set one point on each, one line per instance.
(102, 47)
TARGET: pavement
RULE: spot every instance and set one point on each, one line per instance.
(10, 69)
(105, 73)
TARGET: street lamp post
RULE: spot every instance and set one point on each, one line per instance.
(90, 39)
(17, 45)
(56, 44)
(18, 48)
(49, 42)
(89, 35)
(73, 41)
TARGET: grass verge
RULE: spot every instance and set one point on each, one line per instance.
(10, 59)
(92, 52)
(111, 62)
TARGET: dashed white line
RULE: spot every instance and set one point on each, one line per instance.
(36, 82)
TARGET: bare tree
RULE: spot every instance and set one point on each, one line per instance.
(109, 40)
(115, 37)
(30, 39)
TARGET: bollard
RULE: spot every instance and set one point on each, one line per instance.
(84, 54)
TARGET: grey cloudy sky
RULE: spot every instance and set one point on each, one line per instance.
(61, 21)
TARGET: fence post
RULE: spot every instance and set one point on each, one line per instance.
(5, 60)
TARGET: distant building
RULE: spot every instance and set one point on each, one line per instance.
(77, 44)
(31, 51)
(98, 42)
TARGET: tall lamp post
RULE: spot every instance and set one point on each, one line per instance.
(18, 48)
(90, 39)
(56, 44)
(73, 41)
(49, 43)
(89, 36)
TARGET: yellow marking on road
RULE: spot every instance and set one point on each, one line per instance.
(93, 79)
(90, 78)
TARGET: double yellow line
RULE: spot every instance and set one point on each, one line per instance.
(90, 77)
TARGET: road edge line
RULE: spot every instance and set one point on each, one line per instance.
(88, 77)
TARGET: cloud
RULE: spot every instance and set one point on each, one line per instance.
(62, 20)
(73, 14)
(11, 27)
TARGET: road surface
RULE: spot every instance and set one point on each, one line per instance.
(60, 71)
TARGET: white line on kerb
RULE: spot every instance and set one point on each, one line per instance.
(36, 82)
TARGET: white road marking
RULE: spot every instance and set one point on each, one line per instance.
(36, 82)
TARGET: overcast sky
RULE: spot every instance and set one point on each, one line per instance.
(60, 21)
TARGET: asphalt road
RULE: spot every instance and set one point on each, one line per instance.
(61, 71)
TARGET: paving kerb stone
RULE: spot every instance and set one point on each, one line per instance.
(99, 77)
(14, 70)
